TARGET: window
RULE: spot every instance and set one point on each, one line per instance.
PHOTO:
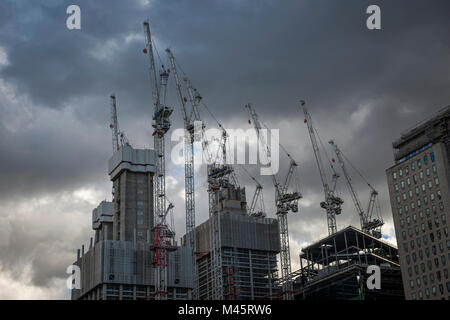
(396, 187)
(413, 165)
(406, 170)
(419, 164)
(402, 184)
(398, 199)
(400, 173)
(432, 156)
(436, 181)
(427, 172)
(432, 196)
(408, 181)
(423, 187)
(394, 175)
(419, 203)
(421, 175)
(404, 196)
(417, 190)
(415, 179)
(434, 168)
(425, 159)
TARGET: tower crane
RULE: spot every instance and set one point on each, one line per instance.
(368, 224)
(114, 123)
(189, 125)
(162, 240)
(118, 137)
(285, 202)
(257, 199)
(332, 203)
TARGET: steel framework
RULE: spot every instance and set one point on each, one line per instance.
(189, 168)
(285, 202)
(369, 225)
(332, 203)
(162, 241)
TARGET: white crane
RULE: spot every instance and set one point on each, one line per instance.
(285, 202)
(189, 125)
(162, 240)
(332, 203)
(368, 224)
(118, 137)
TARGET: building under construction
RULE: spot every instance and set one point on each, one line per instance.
(248, 251)
(336, 268)
(232, 255)
(119, 264)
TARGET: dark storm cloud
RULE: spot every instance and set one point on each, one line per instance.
(362, 87)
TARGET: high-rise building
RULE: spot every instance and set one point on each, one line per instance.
(118, 265)
(248, 247)
(420, 200)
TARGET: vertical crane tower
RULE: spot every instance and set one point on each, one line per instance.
(189, 126)
(368, 224)
(285, 202)
(161, 240)
(332, 203)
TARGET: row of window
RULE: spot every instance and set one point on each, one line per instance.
(418, 240)
(427, 210)
(419, 294)
(414, 178)
(413, 165)
(422, 227)
(426, 279)
(417, 191)
(427, 253)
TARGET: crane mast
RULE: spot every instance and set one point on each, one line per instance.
(332, 203)
(114, 124)
(368, 225)
(161, 241)
(285, 202)
(352, 190)
(188, 168)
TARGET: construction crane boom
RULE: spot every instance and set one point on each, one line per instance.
(332, 203)
(368, 225)
(352, 190)
(285, 202)
(188, 171)
(162, 241)
(114, 123)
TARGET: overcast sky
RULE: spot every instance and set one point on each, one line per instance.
(362, 87)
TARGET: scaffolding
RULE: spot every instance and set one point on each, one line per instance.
(335, 267)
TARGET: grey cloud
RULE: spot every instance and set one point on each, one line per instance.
(54, 135)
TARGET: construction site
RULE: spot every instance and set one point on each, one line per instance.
(242, 250)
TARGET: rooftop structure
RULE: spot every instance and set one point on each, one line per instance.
(335, 268)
